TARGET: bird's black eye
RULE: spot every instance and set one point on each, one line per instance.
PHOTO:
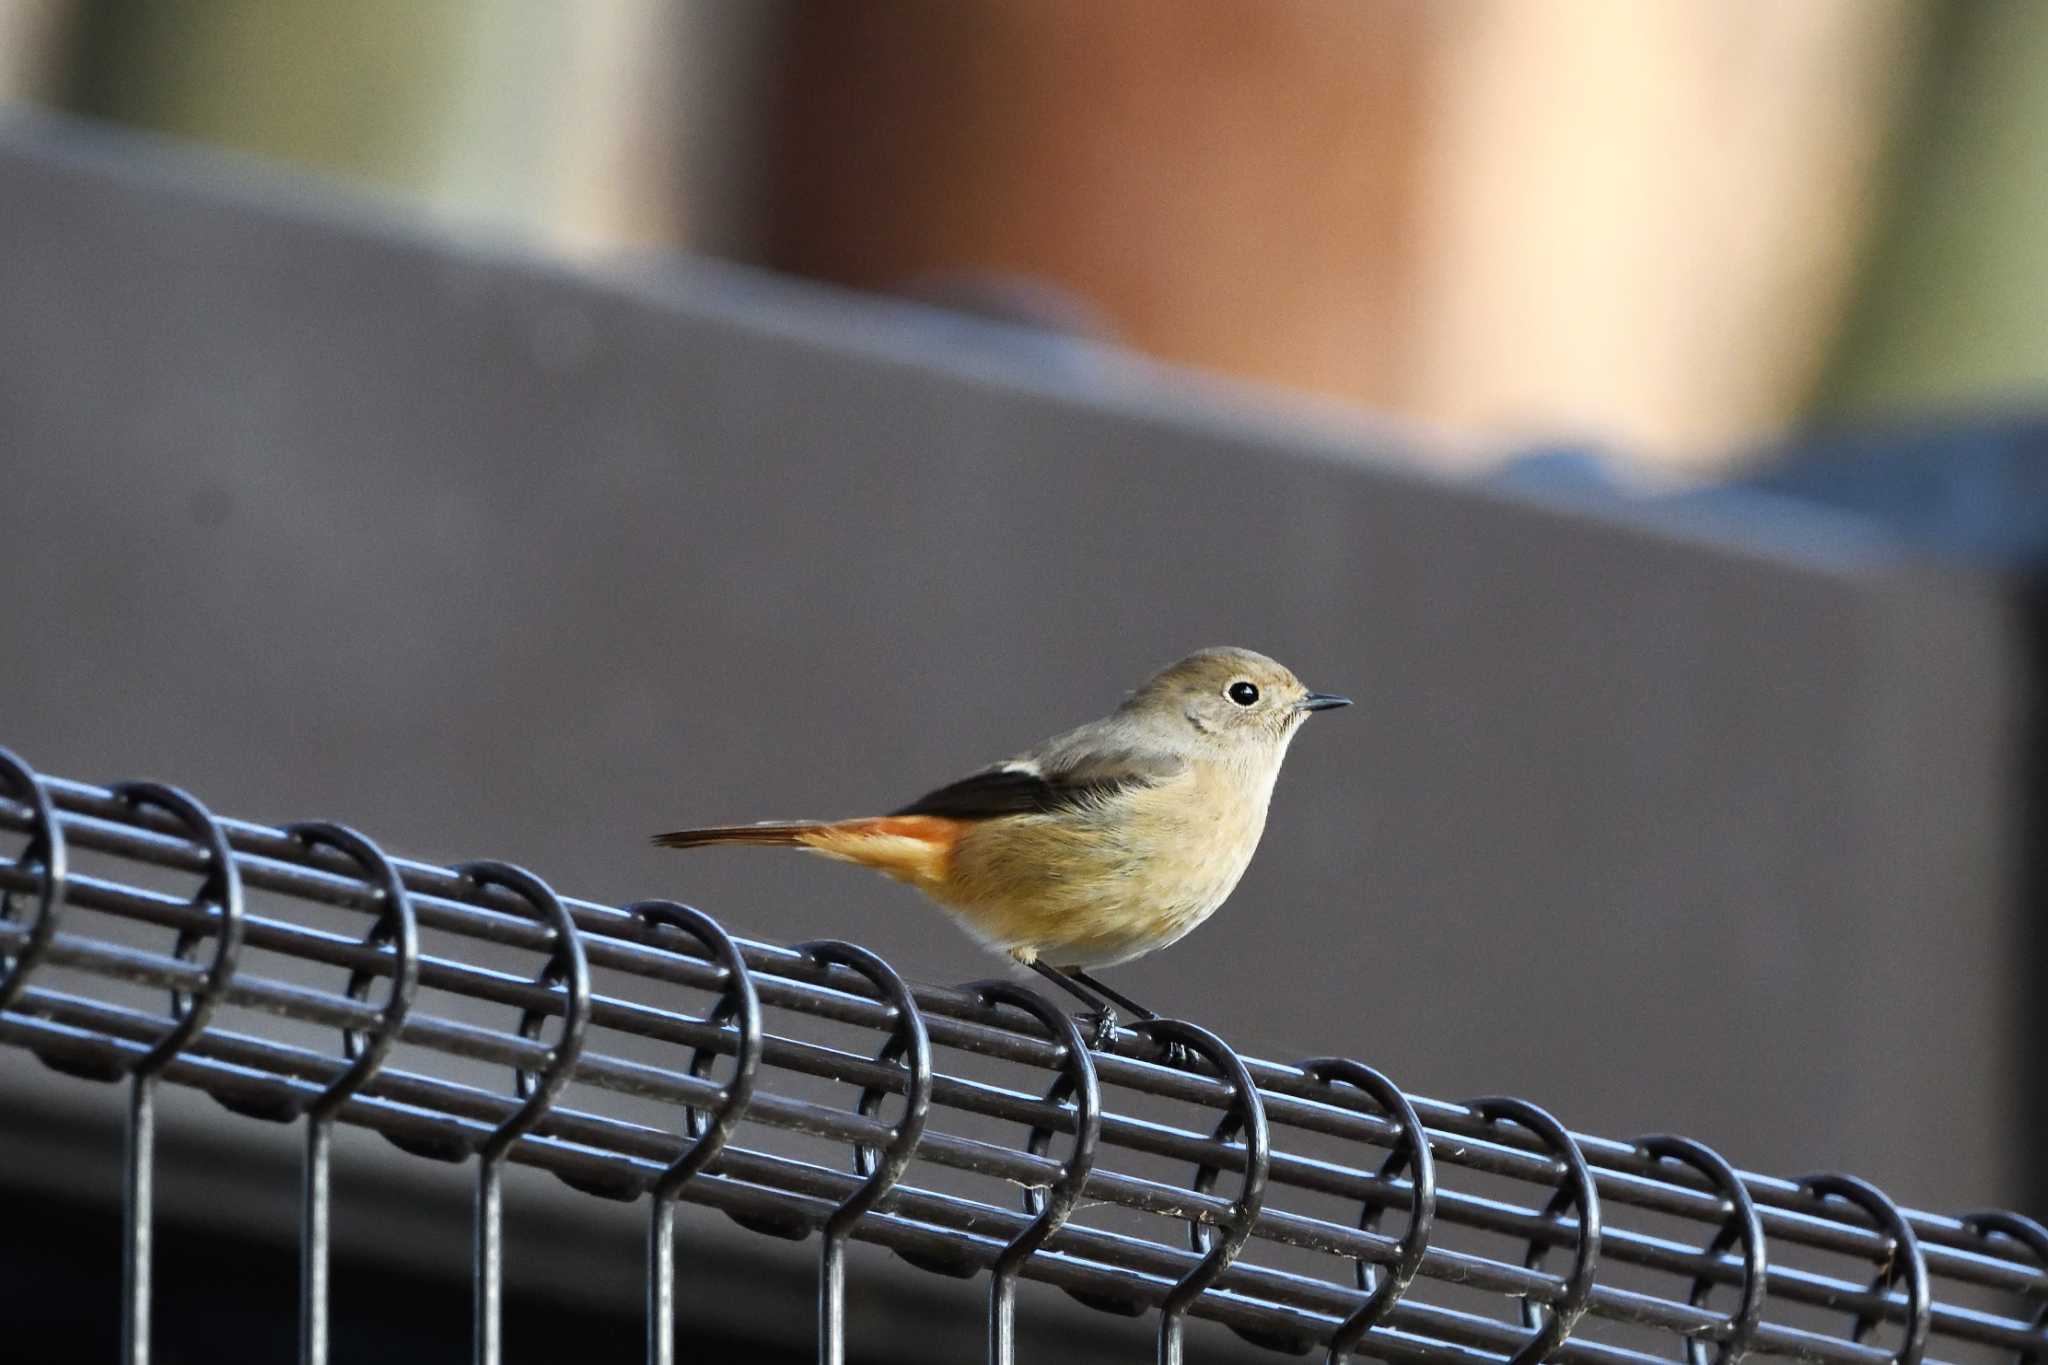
(1243, 693)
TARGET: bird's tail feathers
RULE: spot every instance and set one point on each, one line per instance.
(910, 848)
(772, 833)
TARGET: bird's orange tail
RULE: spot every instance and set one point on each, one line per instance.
(911, 848)
(774, 834)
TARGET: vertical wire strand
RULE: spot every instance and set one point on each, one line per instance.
(568, 969)
(1002, 1320)
(1054, 1205)
(740, 1006)
(220, 892)
(487, 1266)
(137, 1201)
(314, 1213)
(661, 1283)
(884, 1166)
(1247, 1117)
(395, 925)
(832, 1298)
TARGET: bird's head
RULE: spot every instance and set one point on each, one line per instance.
(1234, 699)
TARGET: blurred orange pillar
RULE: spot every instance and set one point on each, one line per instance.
(1229, 184)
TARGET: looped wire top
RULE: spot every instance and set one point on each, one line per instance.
(395, 925)
(1055, 1204)
(1247, 1115)
(1575, 1191)
(739, 1005)
(1742, 1225)
(1904, 1262)
(908, 1043)
(2029, 1234)
(44, 851)
(566, 968)
(1411, 1149)
(220, 891)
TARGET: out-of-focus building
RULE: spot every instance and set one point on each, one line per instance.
(1671, 229)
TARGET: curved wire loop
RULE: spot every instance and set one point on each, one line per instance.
(1247, 1116)
(44, 851)
(909, 1044)
(566, 968)
(221, 890)
(395, 926)
(739, 1005)
(1742, 1225)
(1988, 1223)
(1904, 1262)
(1411, 1150)
(883, 1166)
(1576, 1191)
(1054, 1204)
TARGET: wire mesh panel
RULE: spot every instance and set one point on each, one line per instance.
(1310, 1208)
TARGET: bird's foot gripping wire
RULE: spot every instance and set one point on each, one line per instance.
(1176, 1055)
(1100, 1020)
(1099, 1027)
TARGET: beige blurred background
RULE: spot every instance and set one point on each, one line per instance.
(1669, 230)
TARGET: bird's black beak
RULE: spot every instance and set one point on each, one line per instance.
(1322, 701)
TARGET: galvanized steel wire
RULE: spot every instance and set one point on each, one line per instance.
(1919, 1298)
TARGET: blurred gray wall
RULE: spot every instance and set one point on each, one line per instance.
(1680, 818)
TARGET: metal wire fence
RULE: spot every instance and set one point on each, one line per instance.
(1308, 1207)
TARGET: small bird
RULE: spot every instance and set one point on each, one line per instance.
(1099, 845)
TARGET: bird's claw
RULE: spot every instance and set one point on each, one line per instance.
(1100, 1026)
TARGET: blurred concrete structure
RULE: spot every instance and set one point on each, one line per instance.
(1615, 221)
(1705, 816)
(1639, 224)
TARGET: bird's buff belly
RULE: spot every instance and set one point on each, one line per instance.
(1082, 897)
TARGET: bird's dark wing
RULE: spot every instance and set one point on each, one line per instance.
(1024, 787)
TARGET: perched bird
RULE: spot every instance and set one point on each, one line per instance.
(1099, 845)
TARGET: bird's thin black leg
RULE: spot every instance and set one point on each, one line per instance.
(1068, 984)
(1113, 996)
(1177, 1054)
(1099, 1019)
